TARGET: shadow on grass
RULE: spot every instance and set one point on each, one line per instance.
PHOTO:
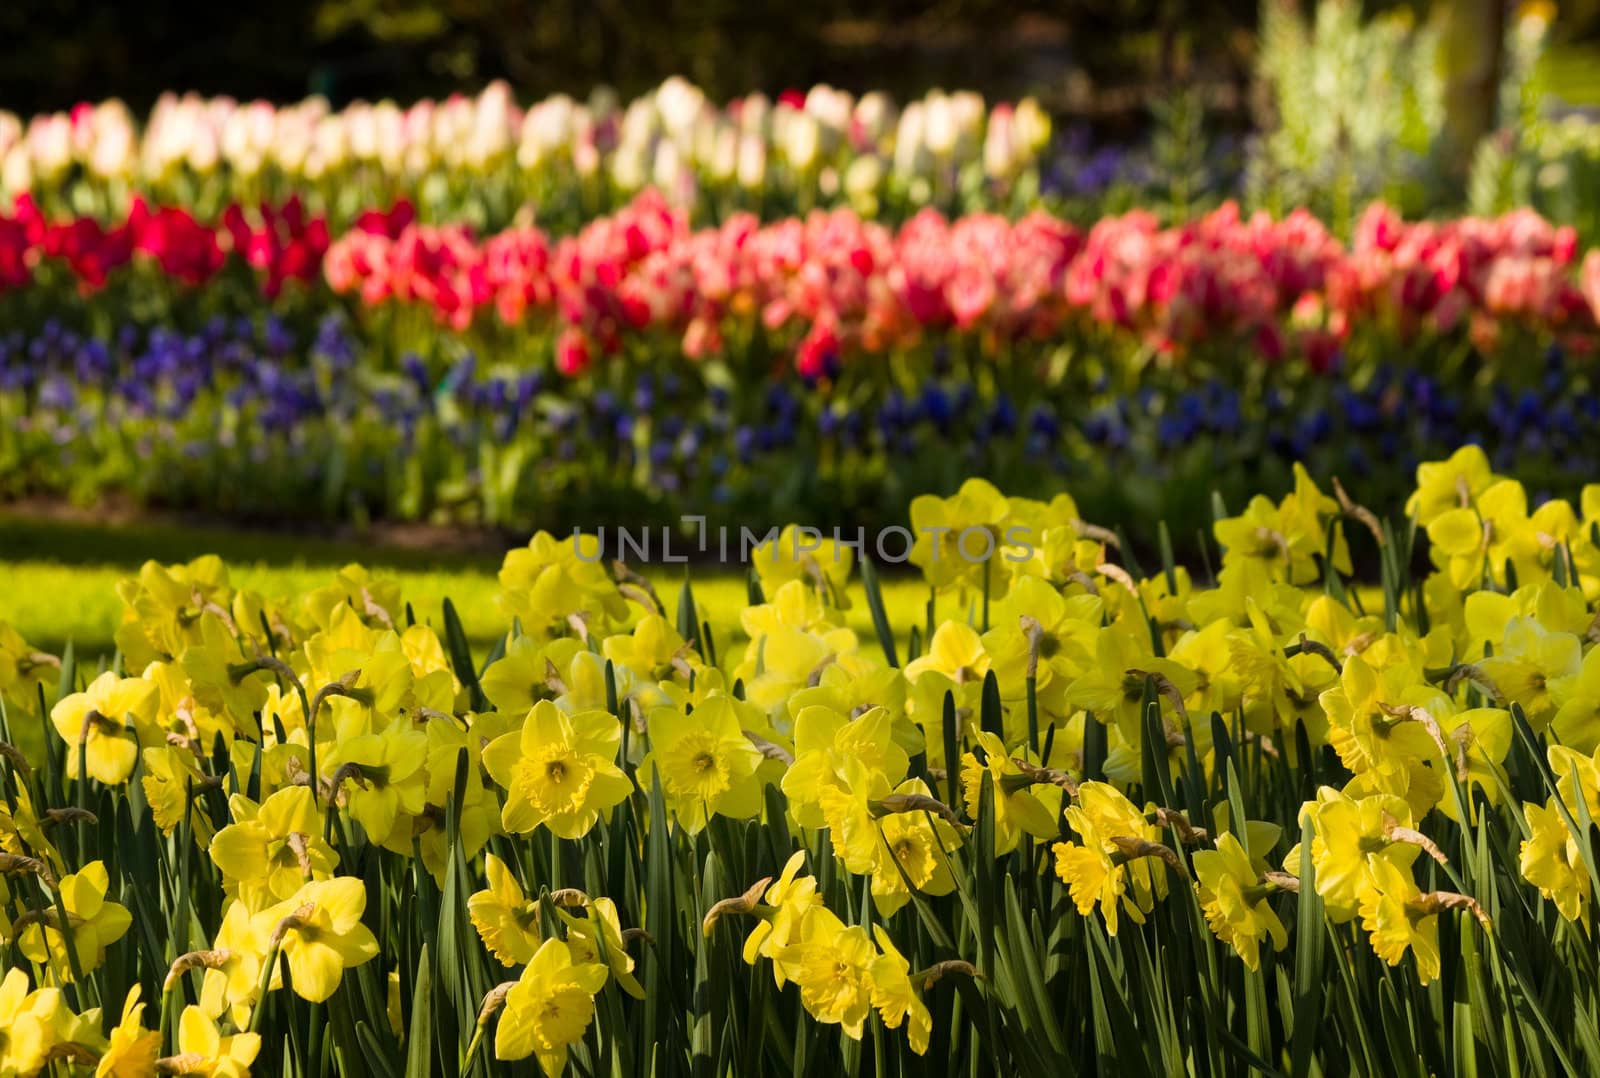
(128, 544)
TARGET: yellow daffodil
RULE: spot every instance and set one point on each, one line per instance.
(381, 777)
(1111, 864)
(93, 924)
(231, 986)
(23, 669)
(788, 899)
(507, 922)
(893, 996)
(1113, 687)
(321, 934)
(103, 723)
(1450, 484)
(550, 1007)
(272, 850)
(824, 741)
(1551, 861)
(558, 771)
(28, 1024)
(1020, 806)
(1577, 696)
(164, 608)
(597, 937)
(172, 782)
(131, 1050)
(551, 580)
(1529, 660)
(654, 650)
(914, 848)
(832, 965)
(375, 599)
(203, 1050)
(706, 764)
(529, 671)
(1347, 833)
(1235, 900)
(819, 563)
(1378, 737)
(1393, 921)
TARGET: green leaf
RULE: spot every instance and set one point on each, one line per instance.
(880, 617)
(455, 639)
(688, 619)
(419, 1039)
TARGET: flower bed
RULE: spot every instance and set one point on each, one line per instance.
(482, 158)
(832, 289)
(1091, 815)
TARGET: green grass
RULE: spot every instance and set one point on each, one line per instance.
(58, 579)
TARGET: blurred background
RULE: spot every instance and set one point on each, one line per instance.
(215, 354)
(1105, 59)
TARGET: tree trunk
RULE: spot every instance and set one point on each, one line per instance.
(1474, 41)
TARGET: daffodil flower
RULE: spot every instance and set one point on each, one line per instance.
(831, 963)
(558, 771)
(274, 849)
(320, 932)
(203, 1050)
(506, 920)
(93, 924)
(131, 1050)
(893, 995)
(105, 720)
(1235, 900)
(550, 1007)
(600, 930)
(707, 766)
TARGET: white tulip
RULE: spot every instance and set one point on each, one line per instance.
(10, 130)
(863, 178)
(999, 144)
(873, 120)
(908, 145)
(801, 138)
(755, 115)
(752, 162)
(678, 102)
(16, 169)
(628, 165)
(50, 142)
(1032, 126)
(940, 130)
(725, 156)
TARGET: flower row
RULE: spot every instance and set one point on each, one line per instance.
(241, 415)
(656, 837)
(833, 288)
(486, 155)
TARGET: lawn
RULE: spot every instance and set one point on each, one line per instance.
(58, 579)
